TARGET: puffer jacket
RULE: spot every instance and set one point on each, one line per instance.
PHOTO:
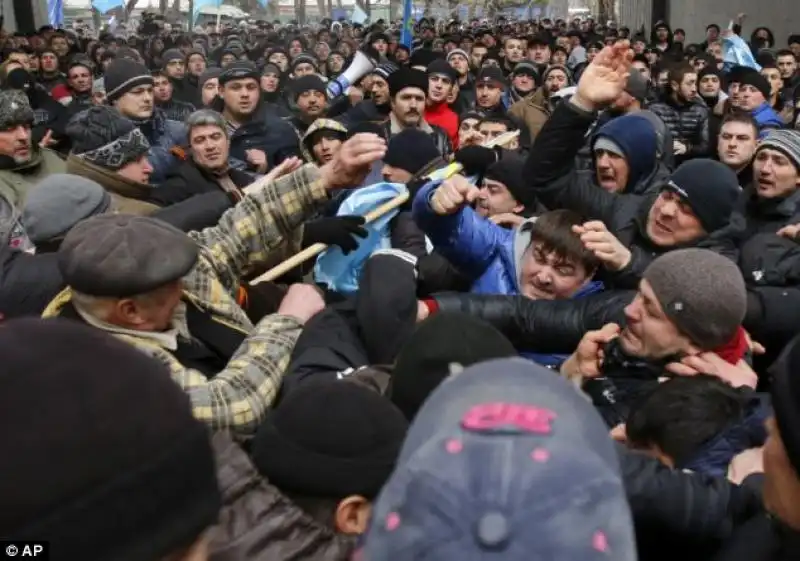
(767, 119)
(480, 249)
(688, 124)
(163, 135)
(258, 523)
(319, 125)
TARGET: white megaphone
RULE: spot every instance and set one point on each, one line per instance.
(365, 61)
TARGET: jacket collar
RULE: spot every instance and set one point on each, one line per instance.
(396, 128)
(108, 179)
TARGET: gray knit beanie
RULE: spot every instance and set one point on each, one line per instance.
(60, 201)
(784, 141)
(702, 292)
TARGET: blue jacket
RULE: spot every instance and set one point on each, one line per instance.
(163, 134)
(767, 119)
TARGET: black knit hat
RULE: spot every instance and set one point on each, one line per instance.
(410, 150)
(407, 78)
(710, 188)
(438, 343)
(330, 439)
(303, 84)
(108, 462)
(123, 75)
(442, 67)
(755, 79)
(239, 70)
(509, 170)
(101, 136)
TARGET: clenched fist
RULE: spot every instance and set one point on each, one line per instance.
(606, 247)
(453, 195)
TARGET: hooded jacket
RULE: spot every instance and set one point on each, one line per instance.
(319, 125)
(767, 119)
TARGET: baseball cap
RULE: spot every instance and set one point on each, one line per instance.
(504, 460)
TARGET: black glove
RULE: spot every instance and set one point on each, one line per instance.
(337, 230)
(476, 159)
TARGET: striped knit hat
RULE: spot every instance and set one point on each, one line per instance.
(785, 141)
(123, 75)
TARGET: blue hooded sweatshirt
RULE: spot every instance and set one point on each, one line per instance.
(636, 138)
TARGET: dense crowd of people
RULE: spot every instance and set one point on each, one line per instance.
(579, 344)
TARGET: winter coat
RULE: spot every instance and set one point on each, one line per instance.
(391, 127)
(762, 538)
(767, 119)
(176, 110)
(237, 397)
(189, 179)
(489, 254)
(127, 196)
(533, 110)
(17, 179)
(258, 523)
(688, 124)
(164, 135)
(556, 184)
(363, 112)
(445, 118)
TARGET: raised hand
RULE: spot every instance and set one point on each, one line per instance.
(351, 164)
(453, 194)
(605, 78)
(587, 360)
(596, 238)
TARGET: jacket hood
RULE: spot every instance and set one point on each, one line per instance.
(320, 125)
(638, 141)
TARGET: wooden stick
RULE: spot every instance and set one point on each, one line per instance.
(313, 250)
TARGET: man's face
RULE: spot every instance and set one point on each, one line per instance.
(712, 34)
(408, 106)
(381, 46)
(280, 60)
(197, 65)
(524, 83)
(735, 94)
(312, 103)
(795, 48)
(401, 55)
(611, 170)
(162, 89)
(477, 55)
(787, 64)
(227, 59)
(775, 174)
(322, 50)
(209, 146)
(736, 144)
(303, 69)
(240, 96)
(210, 90)
(750, 97)
(699, 63)
(138, 171)
(15, 142)
(671, 221)
(487, 94)
(79, 79)
(325, 147)
(773, 76)
(687, 89)
(781, 483)
(679, 37)
(559, 57)
(269, 82)
(494, 199)
(513, 50)
(662, 34)
(439, 87)
(709, 85)
(540, 54)
(49, 62)
(295, 48)
(380, 90)
(460, 64)
(715, 50)
(336, 62)
(99, 98)
(649, 333)
(491, 130)
(176, 69)
(137, 103)
(467, 130)
(33, 63)
(60, 46)
(548, 276)
(555, 81)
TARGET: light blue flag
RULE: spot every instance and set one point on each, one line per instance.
(202, 4)
(55, 12)
(736, 52)
(341, 272)
(263, 3)
(104, 6)
(406, 35)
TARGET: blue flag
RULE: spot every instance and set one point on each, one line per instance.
(202, 4)
(104, 6)
(407, 35)
(55, 12)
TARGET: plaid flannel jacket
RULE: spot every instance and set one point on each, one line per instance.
(237, 398)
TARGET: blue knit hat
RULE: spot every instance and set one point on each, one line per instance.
(637, 142)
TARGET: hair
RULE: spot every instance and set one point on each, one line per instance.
(205, 118)
(682, 414)
(99, 306)
(712, 26)
(785, 52)
(553, 230)
(739, 116)
(322, 510)
(678, 71)
(641, 58)
(510, 125)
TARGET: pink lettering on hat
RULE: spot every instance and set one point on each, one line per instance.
(522, 417)
(599, 541)
(392, 521)
(454, 446)
(540, 455)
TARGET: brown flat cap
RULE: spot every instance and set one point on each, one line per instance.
(119, 255)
